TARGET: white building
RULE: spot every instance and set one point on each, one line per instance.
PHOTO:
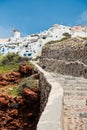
(16, 33)
(31, 45)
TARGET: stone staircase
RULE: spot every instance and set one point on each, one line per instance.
(75, 101)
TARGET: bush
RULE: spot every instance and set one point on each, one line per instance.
(56, 41)
(84, 38)
(12, 58)
(11, 62)
(52, 42)
(29, 82)
(13, 90)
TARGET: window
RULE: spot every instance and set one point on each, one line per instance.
(44, 37)
(29, 54)
(24, 54)
(3, 49)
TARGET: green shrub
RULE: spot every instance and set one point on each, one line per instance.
(11, 62)
(57, 41)
(13, 91)
(52, 42)
(12, 58)
(8, 68)
(84, 38)
(29, 82)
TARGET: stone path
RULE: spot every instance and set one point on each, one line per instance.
(75, 105)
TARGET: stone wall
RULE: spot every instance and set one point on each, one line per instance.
(45, 89)
(67, 57)
(68, 68)
(51, 104)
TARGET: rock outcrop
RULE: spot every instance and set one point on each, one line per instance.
(25, 70)
(19, 113)
(16, 77)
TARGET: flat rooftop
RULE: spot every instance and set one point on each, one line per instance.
(3, 40)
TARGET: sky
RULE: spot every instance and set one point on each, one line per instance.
(33, 16)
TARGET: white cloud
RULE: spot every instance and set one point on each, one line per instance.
(83, 18)
(4, 32)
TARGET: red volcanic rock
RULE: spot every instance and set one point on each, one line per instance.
(18, 80)
(6, 79)
(4, 129)
(12, 79)
(0, 77)
(3, 101)
(3, 83)
(30, 114)
(16, 74)
(25, 70)
(29, 93)
(29, 69)
(16, 113)
(15, 77)
(36, 76)
(13, 112)
(14, 125)
(36, 89)
(1, 113)
(19, 100)
(22, 70)
(3, 77)
(20, 112)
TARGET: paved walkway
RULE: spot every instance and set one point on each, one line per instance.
(75, 105)
(51, 118)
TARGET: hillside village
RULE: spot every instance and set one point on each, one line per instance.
(53, 91)
(30, 46)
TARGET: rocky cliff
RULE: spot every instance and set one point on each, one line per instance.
(19, 112)
(66, 57)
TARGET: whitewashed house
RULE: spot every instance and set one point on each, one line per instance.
(31, 45)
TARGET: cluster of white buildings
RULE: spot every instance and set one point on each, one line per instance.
(31, 45)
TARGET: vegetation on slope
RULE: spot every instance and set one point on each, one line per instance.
(10, 62)
(56, 41)
(29, 82)
(10, 75)
(10, 90)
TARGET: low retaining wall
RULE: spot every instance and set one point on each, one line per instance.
(51, 102)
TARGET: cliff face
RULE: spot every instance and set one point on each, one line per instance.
(19, 112)
(66, 57)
